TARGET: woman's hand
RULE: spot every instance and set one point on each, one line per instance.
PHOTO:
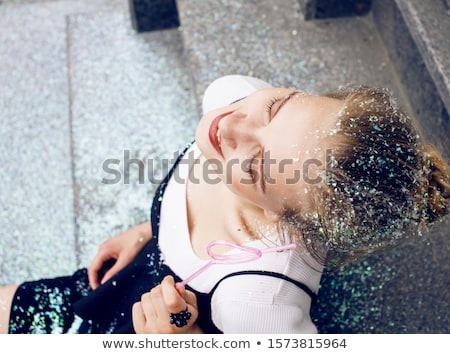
(121, 249)
(166, 310)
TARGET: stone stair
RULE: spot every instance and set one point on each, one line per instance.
(80, 88)
(420, 52)
(417, 54)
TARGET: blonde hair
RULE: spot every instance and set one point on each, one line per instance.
(383, 183)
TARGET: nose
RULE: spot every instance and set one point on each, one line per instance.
(236, 130)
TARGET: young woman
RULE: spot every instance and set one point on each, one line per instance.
(276, 185)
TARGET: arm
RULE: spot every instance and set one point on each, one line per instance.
(121, 249)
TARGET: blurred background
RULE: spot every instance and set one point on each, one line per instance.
(83, 81)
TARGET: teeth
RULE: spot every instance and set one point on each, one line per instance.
(218, 135)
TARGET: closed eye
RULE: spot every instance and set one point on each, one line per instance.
(278, 107)
(250, 168)
(270, 104)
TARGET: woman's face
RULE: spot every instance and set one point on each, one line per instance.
(269, 148)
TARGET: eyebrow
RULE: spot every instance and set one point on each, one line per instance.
(261, 168)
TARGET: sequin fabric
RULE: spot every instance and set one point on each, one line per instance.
(45, 306)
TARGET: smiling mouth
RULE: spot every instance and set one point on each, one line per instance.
(214, 133)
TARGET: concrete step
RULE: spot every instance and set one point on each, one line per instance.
(37, 215)
(131, 96)
(79, 87)
(419, 51)
(271, 40)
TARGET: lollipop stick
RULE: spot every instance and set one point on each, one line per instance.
(249, 254)
(194, 275)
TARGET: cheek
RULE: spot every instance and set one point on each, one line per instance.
(234, 173)
(202, 139)
(241, 184)
(238, 181)
(202, 128)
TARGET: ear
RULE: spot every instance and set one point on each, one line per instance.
(271, 216)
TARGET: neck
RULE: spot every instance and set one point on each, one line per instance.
(248, 219)
(234, 218)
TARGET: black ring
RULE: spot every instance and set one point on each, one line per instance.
(180, 319)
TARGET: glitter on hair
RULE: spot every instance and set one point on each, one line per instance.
(377, 188)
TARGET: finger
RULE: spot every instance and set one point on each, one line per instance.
(190, 298)
(93, 279)
(191, 302)
(95, 267)
(108, 275)
(96, 275)
(172, 298)
(144, 315)
(148, 306)
(93, 274)
(118, 265)
(159, 306)
(138, 317)
(182, 314)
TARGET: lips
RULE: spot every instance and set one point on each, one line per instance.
(214, 137)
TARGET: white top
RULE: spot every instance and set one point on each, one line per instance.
(244, 303)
